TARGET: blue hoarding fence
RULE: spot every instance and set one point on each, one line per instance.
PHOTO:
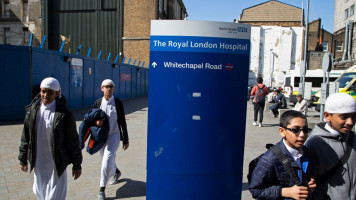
(80, 78)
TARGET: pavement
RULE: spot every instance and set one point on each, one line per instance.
(15, 184)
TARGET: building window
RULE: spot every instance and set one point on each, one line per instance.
(160, 6)
(25, 11)
(352, 10)
(325, 46)
(346, 13)
(177, 10)
(26, 36)
(338, 46)
(6, 35)
(6, 9)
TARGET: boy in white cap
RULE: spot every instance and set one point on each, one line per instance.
(334, 148)
(114, 108)
(50, 142)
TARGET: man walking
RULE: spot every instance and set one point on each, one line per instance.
(259, 92)
(114, 109)
(50, 142)
(333, 145)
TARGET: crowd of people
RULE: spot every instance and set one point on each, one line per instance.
(319, 166)
(50, 141)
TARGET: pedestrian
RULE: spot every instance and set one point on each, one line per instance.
(279, 102)
(49, 142)
(333, 145)
(270, 179)
(114, 109)
(301, 105)
(259, 92)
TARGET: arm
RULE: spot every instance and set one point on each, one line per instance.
(72, 140)
(25, 137)
(263, 180)
(254, 90)
(264, 183)
(122, 124)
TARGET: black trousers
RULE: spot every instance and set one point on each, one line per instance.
(258, 108)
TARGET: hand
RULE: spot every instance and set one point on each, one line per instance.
(295, 192)
(24, 168)
(76, 174)
(311, 185)
(125, 146)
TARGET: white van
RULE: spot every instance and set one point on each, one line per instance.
(292, 80)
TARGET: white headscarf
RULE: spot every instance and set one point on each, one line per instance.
(107, 82)
(340, 103)
(50, 83)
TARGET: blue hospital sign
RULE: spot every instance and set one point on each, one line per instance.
(197, 109)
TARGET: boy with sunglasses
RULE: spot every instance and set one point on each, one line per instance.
(114, 109)
(333, 145)
(270, 180)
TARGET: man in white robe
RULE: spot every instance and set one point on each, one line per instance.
(56, 145)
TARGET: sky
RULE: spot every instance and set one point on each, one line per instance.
(228, 10)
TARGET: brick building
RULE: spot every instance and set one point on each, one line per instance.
(119, 27)
(272, 13)
(137, 24)
(18, 19)
(344, 46)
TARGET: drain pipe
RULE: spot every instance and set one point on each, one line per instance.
(345, 41)
(349, 40)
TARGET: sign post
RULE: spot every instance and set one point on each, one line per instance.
(197, 109)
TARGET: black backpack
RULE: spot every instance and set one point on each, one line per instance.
(281, 157)
(260, 94)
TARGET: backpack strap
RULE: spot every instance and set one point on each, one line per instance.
(286, 163)
(323, 178)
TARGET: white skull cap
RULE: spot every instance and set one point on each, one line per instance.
(340, 103)
(50, 83)
(107, 82)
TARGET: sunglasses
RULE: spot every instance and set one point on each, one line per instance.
(108, 86)
(298, 130)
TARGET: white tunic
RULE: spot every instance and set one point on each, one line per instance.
(46, 184)
(108, 152)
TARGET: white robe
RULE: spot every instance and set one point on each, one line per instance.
(46, 184)
(108, 152)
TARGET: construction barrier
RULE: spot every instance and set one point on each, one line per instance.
(23, 68)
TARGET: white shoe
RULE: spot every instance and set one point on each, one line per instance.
(115, 178)
(260, 124)
(254, 123)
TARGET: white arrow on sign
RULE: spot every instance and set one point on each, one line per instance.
(154, 64)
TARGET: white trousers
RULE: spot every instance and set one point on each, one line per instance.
(108, 155)
(47, 185)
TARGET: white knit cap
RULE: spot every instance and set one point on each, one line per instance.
(50, 83)
(107, 82)
(340, 103)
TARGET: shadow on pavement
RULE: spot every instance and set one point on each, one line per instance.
(130, 189)
(270, 125)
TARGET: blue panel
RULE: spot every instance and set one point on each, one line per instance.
(15, 70)
(42, 65)
(134, 82)
(88, 88)
(99, 77)
(76, 86)
(125, 85)
(61, 73)
(103, 70)
(197, 115)
(138, 81)
(116, 79)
